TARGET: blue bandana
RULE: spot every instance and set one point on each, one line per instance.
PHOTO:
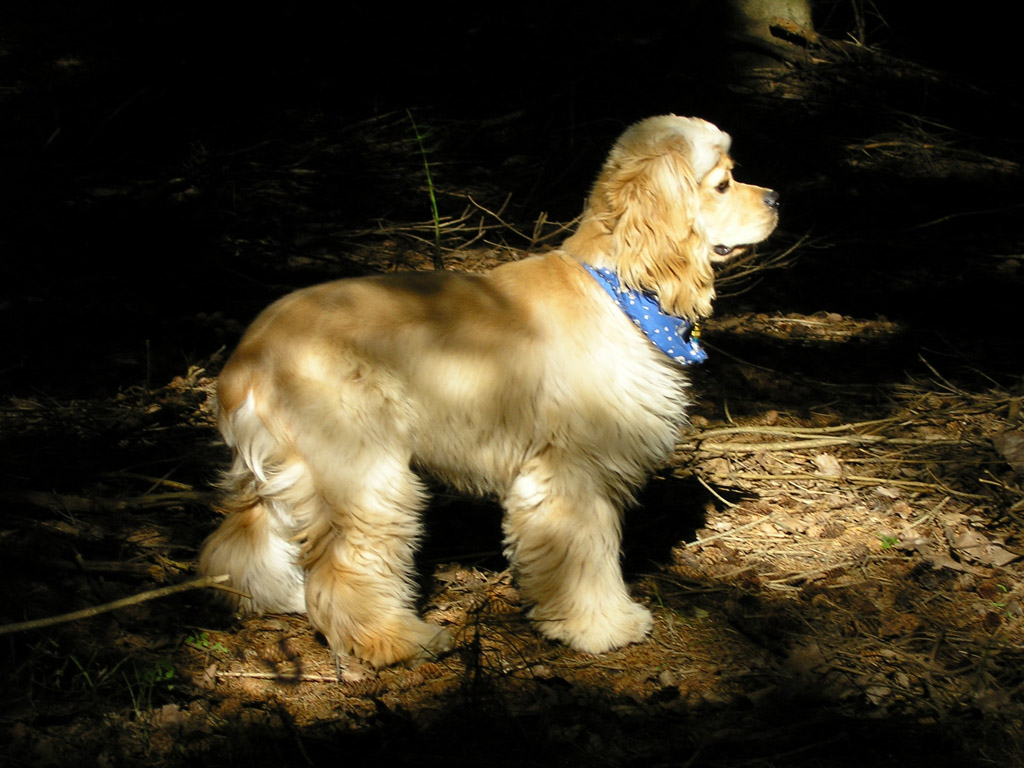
(674, 336)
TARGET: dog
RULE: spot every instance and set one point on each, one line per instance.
(547, 383)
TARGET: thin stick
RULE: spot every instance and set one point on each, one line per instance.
(790, 431)
(85, 613)
(730, 532)
(302, 678)
(793, 445)
(714, 493)
(916, 485)
(47, 500)
(816, 572)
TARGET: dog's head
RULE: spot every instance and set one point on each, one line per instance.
(665, 207)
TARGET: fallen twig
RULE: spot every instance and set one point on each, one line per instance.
(305, 677)
(775, 430)
(124, 602)
(730, 532)
(916, 485)
(791, 445)
(80, 504)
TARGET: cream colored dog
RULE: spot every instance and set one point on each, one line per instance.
(530, 383)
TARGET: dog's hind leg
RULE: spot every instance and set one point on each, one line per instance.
(360, 532)
(254, 544)
(563, 535)
(358, 555)
(326, 520)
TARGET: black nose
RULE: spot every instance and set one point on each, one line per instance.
(771, 198)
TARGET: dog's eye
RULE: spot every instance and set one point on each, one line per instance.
(722, 186)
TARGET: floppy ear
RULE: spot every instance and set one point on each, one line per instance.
(642, 221)
(657, 236)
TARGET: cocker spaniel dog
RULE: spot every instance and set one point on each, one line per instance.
(556, 383)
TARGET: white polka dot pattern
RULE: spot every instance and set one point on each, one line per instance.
(674, 336)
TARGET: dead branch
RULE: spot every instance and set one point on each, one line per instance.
(916, 485)
(732, 532)
(300, 678)
(82, 504)
(792, 445)
(124, 602)
(791, 431)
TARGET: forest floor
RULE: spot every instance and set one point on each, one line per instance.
(833, 557)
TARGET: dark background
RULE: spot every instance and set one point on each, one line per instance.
(140, 142)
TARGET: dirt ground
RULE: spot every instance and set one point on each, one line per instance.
(833, 557)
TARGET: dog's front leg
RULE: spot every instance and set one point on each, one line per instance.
(563, 535)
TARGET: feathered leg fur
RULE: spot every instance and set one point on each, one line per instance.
(563, 535)
(332, 534)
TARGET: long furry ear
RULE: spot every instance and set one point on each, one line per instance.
(642, 221)
(657, 237)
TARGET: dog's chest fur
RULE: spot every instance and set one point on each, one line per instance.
(573, 376)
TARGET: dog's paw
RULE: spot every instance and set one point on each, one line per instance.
(409, 641)
(430, 641)
(600, 630)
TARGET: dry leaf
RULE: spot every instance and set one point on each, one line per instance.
(886, 492)
(207, 679)
(828, 465)
(169, 716)
(1010, 446)
(976, 547)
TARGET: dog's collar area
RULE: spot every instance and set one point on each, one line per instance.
(674, 336)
